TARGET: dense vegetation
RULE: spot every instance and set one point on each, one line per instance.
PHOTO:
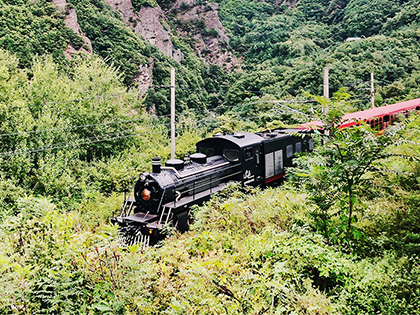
(286, 47)
(340, 237)
(67, 158)
(283, 48)
(29, 29)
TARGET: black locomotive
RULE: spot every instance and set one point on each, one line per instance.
(165, 195)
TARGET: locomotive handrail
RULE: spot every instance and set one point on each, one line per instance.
(167, 215)
(161, 198)
(146, 215)
(204, 184)
(124, 212)
(219, 178)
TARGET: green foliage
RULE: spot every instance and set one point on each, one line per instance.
(366, 18)
(137, 4)
(212, 32)
(165, 4)
(50, 111)
(385, 285)
(337, 174)
(111, 38)
(250, 251)
(298, 42)
(28, 30)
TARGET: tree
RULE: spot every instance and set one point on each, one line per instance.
(337, 173)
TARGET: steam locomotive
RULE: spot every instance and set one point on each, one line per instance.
(164, 196)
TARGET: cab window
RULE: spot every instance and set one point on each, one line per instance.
(248, 154)
(289, 151)
(231, 155)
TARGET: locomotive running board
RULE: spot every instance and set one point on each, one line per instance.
(138, 219)
(196, 198)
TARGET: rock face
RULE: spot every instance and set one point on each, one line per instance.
(198, 22)
(203, 24)
(144, 78)
(210, 43)
(71, 22)
(150, 23)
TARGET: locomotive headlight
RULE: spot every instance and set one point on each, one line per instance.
(146, 194)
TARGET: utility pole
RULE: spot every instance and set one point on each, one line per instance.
(326, 84)
(172, 113)
(326, 87)
(372, 91)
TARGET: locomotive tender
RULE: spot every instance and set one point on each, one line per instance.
(165, 195)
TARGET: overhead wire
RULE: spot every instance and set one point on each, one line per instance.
(70, 145)
(357, 83)
(116, 135)
(127, 93)
(77, 143)
(229, 90)
(67, 101)
(82, 126)
(144, 118)
(61, 145)
(71, 127)
(47, 147)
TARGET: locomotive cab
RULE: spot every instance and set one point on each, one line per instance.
(241, 148)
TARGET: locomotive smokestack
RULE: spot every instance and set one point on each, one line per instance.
(156, 164)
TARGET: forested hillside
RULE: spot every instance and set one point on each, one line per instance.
(283, 46)
(83, 110)
(286, 45)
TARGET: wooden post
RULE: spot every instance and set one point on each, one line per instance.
(372, 91)
(172, 113)
(326, 88)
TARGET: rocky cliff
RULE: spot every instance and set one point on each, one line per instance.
(150, 23)
(201, 24)
(71, 22)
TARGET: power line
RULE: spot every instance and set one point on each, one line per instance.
(123, 94)
(297, 111)
(47, 147)
(228, 90)
(81, 99)
(71, 127)
(68, 101)
(144, 118)
(84, 126)
(62, 145)
(90, 125)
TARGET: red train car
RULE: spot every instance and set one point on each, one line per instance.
(379, 117)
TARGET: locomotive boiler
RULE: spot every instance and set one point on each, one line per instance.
(164, 196)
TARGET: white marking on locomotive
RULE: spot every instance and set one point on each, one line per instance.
(248, 175)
